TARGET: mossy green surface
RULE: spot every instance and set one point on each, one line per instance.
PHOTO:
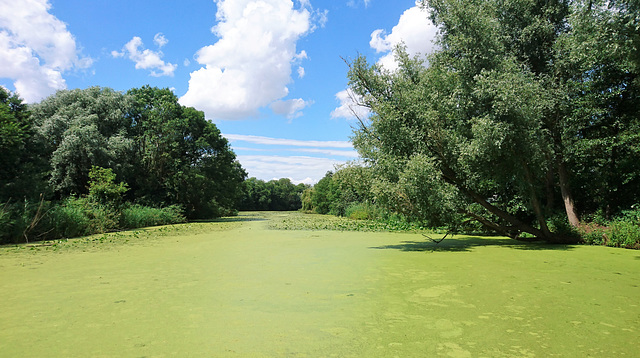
(236, 289)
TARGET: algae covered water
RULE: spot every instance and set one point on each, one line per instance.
(237, 288)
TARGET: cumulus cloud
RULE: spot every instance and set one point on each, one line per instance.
(160, 40)
(250, 65)
(146, 59)
(291, 108)
(36, 49)
(414, 29)
(349, 107)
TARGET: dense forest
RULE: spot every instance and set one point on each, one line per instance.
(525, 122)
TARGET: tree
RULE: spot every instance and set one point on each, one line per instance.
(167, 154)
(181, 157)
(21, 169)
(80, 129)
(323, 195)
(276, 195)
(103, 189)
(600, 63)
(488, 124)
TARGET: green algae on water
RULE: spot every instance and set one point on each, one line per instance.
(243, 290)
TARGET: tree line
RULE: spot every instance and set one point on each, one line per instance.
(92, 150)
(274, 195)
(525, 122)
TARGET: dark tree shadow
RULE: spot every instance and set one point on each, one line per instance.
(467, 243)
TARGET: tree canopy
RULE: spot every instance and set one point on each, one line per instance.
(166, 153)
(513, 111)
(274, 195)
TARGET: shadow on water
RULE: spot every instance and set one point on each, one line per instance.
(467, 243)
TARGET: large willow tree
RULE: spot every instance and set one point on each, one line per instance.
(167, 153)
(521, 104)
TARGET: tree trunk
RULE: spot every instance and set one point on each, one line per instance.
(535, 203)
(449, 175)
(567, 198)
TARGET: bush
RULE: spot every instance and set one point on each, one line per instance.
(135, 216)
(363, 211)
(23, 221)
(623, 231)
(80, 217)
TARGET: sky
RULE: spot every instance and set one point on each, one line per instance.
(271, 74)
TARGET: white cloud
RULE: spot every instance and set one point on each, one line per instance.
(354, 3)
(306, 180)
(186, 62)
(349, 107)
(160, 40)
(331, 152)
(297, 168)
(36, 49)
(323, 156)
(291, 108)
(146, 59)
(249, 67)
(301, 72)
(414, 29)
(288, 142)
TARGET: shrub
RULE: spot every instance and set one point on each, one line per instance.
(20, 222)
(135, 216)
(103, 189)
(623, 231)
(79, 217)
(363, 211)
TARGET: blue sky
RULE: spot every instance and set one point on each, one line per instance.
(268, 73)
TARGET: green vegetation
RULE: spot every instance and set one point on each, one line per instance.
(525, 122)
(300, 221)
(526, 119)
(232, 288)
(274, 195)
(96, 160)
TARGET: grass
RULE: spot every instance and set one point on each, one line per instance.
(235, 288)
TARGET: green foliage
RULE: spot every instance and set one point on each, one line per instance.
(80, 129)
(335, 192)
(103, 189)
(135, 216)
(21, 221)
(363, 211)
(623, 231)
(21, 165)
(68, 150)
(323, 194)
(306, 199)
(523, 103)
(80, 217)
(275, 195)
(181, 157)
(300, 221)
